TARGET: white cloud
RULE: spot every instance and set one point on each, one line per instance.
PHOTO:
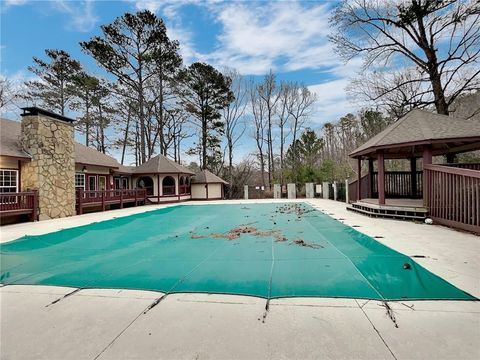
(6, 4)
(332, 101)
(81, 13)
(283, 36)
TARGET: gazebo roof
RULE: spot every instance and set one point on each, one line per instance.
(161, 164)
(206, 177)
(404, 138)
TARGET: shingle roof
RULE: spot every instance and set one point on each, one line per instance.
(10, 146)
(421, 126)
(89, 156)
(206, 177)
(10, 139)
(162, 164)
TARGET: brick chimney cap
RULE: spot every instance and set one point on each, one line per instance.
(33, 110)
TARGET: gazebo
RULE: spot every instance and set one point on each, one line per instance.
(449, 193)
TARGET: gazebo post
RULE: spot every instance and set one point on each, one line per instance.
(427, 160)
(451, 158)
(359, 178)
(158, 188)
(381, 178)
(413, 171)
(370, 177)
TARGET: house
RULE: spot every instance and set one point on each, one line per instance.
(207, 186)
(40, 163)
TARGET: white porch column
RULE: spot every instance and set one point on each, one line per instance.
(245, 192)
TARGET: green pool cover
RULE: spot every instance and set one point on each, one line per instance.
(266, 250)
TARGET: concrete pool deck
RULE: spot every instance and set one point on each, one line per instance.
(111, 323)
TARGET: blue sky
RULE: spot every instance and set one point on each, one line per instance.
(289, 37)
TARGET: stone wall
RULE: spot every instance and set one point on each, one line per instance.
(52, 169)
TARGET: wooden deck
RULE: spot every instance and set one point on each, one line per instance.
(405, 209)
(396, 204)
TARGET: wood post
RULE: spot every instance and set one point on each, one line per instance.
(103, 200)
(451, 158)
(80, 201)
(413, 181)
(35, 205)
(370, 178)
(381, 177)
(158, 188)
(427, 160)
(136, 192)
(347, 195)
(121, 199)
(359, 178)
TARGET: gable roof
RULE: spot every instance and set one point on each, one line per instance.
(421, 127)
(206, 177)
(10, 139)
(162, 164)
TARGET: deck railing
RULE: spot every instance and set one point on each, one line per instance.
(108, 197)
(471, 166)
(19, 203)
(168, 190)
(398, 185)
(184, 189)
(453, 197)
(352, 188)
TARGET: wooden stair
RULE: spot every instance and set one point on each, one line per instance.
(390, 212)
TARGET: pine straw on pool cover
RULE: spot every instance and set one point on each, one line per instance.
(235, 233)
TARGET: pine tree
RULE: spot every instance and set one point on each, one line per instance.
(54, 90)
(204, 92)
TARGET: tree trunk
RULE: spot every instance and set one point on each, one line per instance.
(230, 165)
(125, 138)
(204, 143)
(141, 113)
(432, 66)
(282, 141)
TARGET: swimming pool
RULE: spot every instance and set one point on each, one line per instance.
(265, 250)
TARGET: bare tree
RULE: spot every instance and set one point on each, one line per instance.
(283, 116)
(233, 116)
(436, 42)
(268, 92)
(300, 106)
(259, 112)
(8, 94)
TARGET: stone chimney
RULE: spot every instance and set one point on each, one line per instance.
(48, 138)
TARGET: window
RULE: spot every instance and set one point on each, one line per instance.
(92, 183)
(80, 181)
(121, 183)
(168, 186)
(8, 181)
(102, 183)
